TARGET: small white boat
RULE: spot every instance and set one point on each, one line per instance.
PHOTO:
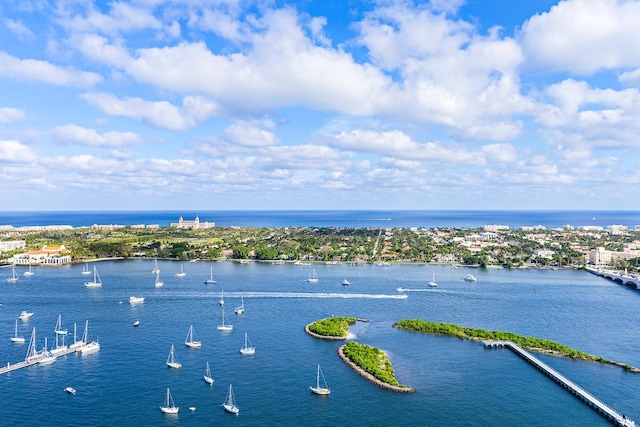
(87, 346)
(191, 340)
(45, 355)
(313, 277)
(181, 273)
(207, 375)
(318, 389)
(229, 404)
(97, 283)
(210, 280)
(70, 390)
(172, 361)
(169, 407)
(433, 283)
(346, 282)
(158, 283)
(155, 270)
(29, 272)
(400, 289)
(136, 300)
(223, 326)
(247, 349)
(240, 310)
(222, 297)
(14, 276)
(85, 269)
(136, 323)
(24, 316)
(19, 339)
(470, 278)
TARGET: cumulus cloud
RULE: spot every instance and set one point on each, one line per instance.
(15, 151)
(10, 115)
(18, 28)
(249, 135)
(90, 137)
(42, 71)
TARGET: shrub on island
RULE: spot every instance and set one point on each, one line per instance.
(372, 360)
(332, 326)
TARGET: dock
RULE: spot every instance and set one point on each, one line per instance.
(607, 412)
(29, 361)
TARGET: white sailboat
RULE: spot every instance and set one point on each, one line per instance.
(224, 327)
(317, 389)
(433, 283)
(88, 346)
(97, 283)
(59, 330)
(76, 344)
(172, 362)
(85, 269)
(210, 280)
(313, 277)
(29, 272)
(346, 282)
(247, 349)
(229, 404)
(207, 375)
(158, 283)
(155, 270)
(32, 352)
(46, 356)
(17, 338)
(240, 310)
(169, 407)
(14, 276)
(192, 340)
(181, 273)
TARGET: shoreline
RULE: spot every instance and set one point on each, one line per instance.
(323, 337)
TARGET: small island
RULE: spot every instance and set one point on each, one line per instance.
(538, 345)
(331, 328)
(372, 364)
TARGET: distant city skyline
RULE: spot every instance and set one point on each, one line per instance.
(227, 104)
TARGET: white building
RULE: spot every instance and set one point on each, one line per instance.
(195, 224)
(48, 255)
(12, 245)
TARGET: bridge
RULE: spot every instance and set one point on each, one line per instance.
(631, 280)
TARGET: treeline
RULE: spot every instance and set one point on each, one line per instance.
(332, 326)
(372, 360)
(529, 343)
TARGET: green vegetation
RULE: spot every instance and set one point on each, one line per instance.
(332, 326)
(372, 360)
(528, 343)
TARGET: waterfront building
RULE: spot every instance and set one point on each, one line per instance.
(48, 255)
(195, 224)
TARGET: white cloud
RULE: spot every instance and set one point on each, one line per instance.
(249, 135)
(584, 36)
(19, 29)
(10, 115)
(122, 17)
(15, 151)
(90, 137)
(42, 71)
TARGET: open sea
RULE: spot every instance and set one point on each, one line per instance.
(458, 382)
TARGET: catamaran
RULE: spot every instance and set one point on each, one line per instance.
(224, 327)
(14, 276)
(229, 405)
(155, 270)
(97, 283)
(85, 269)
(191, 340)
(169, 407)
(313, 277)
(207, 375)
(181, 273)
(29, 272)
(158, 282)
(172, 362)
(210, 280)
(247, 349)
(240, 310)
(317, 389)
(17, 338)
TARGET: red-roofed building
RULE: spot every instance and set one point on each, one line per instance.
(48, 255)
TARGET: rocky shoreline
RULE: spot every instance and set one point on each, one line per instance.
(322, 337)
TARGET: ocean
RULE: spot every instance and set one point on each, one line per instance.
(329, 218)
(458, 382)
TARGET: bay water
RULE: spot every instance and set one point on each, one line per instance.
(458, 382)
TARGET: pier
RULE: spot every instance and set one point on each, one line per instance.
(631, 280)
(600, 407)
(10, 367)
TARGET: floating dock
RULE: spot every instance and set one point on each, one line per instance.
(600, 407)
(9, 367)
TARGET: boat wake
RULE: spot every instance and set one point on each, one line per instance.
(300, 295)
(426, 290)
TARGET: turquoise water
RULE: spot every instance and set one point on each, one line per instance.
(459, 382)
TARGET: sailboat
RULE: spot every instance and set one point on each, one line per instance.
(210, 280)
(29, 272)
(222, 297)
(169, 407)
(191, 340)
(58, 329)
(88, 346)
(172, 362)
(317, 389)
(181, 273)
(247, 349)
(207, 375)
(14, 276)
(97, 283)
(433, 283)
(240, 310)
(224, 327)
(17, 338)
(45, 355)
(229, 404)
(76, 344)
(155, 270)
(85, 269)
(313, 277)
(158, 282)
(32, 352)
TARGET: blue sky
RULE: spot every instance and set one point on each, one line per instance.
(231, 104)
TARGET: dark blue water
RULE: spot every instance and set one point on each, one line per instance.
(458, 382)
(333, 218)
